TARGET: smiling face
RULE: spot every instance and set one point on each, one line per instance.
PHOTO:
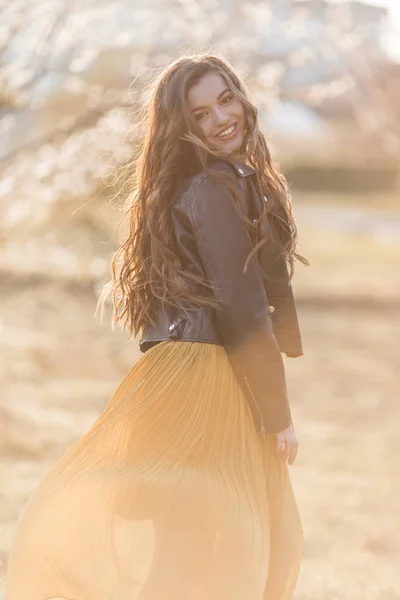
(218, 112)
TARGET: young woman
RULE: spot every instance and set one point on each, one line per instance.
(180, 490)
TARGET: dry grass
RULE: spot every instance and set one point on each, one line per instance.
(345, 394)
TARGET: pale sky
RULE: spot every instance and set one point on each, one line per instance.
(393, 37)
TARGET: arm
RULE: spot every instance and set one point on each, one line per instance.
(244, 322)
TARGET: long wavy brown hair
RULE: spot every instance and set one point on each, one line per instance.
(146, 268)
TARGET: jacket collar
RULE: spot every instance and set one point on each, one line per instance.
(241, 169)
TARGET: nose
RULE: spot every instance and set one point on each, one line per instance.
(220, 116)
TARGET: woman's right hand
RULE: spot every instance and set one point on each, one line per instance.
(287, 444)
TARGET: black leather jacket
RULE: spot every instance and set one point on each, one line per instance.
(259, 319)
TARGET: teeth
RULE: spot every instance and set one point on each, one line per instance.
(227, 131)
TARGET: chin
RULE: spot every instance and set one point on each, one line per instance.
(228, 148)
(234, 148)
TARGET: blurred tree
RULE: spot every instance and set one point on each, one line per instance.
(73, 74)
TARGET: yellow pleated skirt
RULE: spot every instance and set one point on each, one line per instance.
(170, 495)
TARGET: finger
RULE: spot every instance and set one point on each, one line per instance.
(288, 448)
(280, 445)
(293, 453)
(291, 447)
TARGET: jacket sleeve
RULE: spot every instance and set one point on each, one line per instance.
(244, 322)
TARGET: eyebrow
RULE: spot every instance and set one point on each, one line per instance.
(218, 97)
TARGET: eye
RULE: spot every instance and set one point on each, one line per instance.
(227, 99)
(200, 116)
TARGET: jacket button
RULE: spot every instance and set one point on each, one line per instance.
(171, 327)
(265, 198)
(241, 171)
(271, 309)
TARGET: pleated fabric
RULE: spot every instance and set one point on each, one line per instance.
(170, 495)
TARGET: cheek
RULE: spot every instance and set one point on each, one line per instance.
(205, 128)
(239, 111)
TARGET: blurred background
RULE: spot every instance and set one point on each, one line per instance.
(326, 78)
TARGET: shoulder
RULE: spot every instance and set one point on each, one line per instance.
(204, 185)
(203, 181)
